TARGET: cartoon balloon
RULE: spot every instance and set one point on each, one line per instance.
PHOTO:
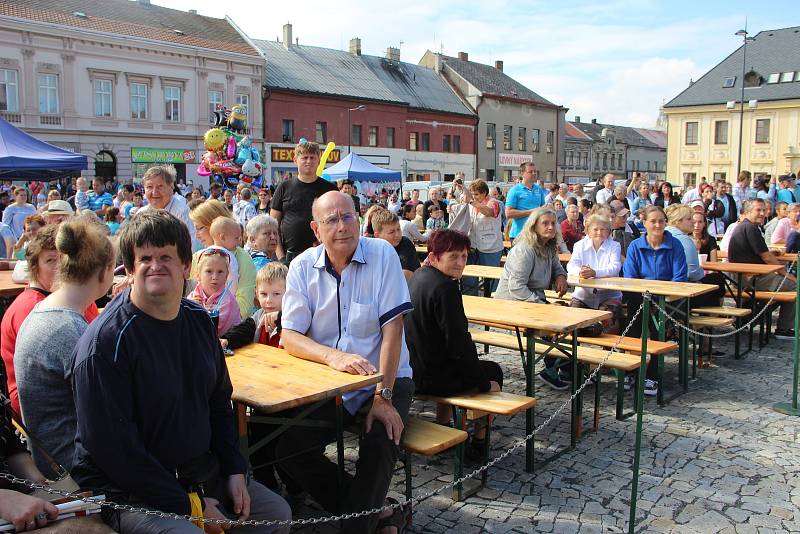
(324, 158)
(231, 151)
(243, 155)
(214, 139)
(255, 155)
(245, 142)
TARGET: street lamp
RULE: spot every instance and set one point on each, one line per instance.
(745, 40)
(362, 107)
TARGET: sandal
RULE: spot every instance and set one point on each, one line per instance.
(400, 518)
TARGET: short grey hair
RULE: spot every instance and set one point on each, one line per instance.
(259, 223)
(166, 172)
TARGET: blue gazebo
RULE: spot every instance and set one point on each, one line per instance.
(354, 167)
(23, 157)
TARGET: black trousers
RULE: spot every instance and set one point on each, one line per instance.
(374, 468)
(457, 383)
(712, 298)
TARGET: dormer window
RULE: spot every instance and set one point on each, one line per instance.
(753, 79)
(729, 82)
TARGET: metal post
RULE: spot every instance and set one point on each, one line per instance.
(639, 408)
(529, 414)
(350, 133)
(792, 408)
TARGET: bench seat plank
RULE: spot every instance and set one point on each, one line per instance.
(723, 311)
(495, 402)
(426, 438)
(630, 344)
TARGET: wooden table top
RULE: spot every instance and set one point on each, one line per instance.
(9, 288)
(742, 268)
(272, 380)
(635, 285)
(531, 315)
(564, 257)
(779, 254)
(483, 271)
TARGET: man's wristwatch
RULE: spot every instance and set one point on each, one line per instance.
(384, 393)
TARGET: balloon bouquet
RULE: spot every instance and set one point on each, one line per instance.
(229, 158)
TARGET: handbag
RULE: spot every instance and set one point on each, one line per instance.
(461, 221)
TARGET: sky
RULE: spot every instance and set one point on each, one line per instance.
(616, 61)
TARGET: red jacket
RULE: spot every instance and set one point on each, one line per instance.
(570, 234)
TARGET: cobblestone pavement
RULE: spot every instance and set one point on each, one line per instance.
(717, 459)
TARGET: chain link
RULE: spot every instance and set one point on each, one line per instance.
(745, 326)
(343, 517)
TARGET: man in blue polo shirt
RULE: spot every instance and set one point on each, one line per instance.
(99, 199)
(523, 198)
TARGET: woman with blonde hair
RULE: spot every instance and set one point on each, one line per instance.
(533, 266)
(43, 356)
(202, 216)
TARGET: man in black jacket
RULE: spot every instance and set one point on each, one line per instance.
(718, 225)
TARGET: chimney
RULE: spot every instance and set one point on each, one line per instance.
(393, 54)
(297, 41)
(577, 118)
(193, 11)
(498, 65)
(287, 35)
(463, 56)
(143, 2)
(355, 46)
(594, 121)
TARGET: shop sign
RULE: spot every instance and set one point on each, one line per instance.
(513, 160)
(285, 154)
(162, 155)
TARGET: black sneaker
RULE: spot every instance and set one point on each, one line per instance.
(553, 381)
(784, 334)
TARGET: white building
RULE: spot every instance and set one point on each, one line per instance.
(125, 82)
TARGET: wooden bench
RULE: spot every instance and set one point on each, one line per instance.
(706, 323)
(553, 295)
(722, 311)
(469, 406)
(427, 438)
(630, 344)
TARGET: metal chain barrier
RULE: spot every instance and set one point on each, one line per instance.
(745, 326)
(354, 515)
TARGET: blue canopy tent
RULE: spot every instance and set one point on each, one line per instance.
(23, 157)
(354, 167)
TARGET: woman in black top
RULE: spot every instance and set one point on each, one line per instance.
(702, 239)
(443, 355)
(665, 196)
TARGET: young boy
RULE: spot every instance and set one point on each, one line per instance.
(82, 194)
(213, 292)
(227, 234)
(386, 226)
(264, 326)
(435, 219)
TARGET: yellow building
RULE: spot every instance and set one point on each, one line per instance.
(707, 120)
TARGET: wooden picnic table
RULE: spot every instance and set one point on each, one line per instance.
(271, 380)
(537, 319)
(635, 285)
(9, 288)
(780, 256)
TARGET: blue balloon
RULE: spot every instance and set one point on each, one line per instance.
(303, 140)
(242, 155)
(255, 155)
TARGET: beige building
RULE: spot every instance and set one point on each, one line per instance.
(708, 119)
(125, 82)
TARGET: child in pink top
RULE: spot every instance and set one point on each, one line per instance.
(213, 292)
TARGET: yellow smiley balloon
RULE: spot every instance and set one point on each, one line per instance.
(324, 158)
(214, 139)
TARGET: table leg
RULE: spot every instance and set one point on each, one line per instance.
(662, 336)
(785, 407)
(340, 440)
(639, 409)
(737, 354)
(752, 314)
(576, 422)
(241, 427)
(529, 391)
(685, 339)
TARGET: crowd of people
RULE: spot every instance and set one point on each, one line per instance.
(135, 401)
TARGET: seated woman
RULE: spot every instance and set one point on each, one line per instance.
(657, 255)
(43, 355)
(531, 267)
(597, 256)
(263, 235)
(703, 242)
(443, 355)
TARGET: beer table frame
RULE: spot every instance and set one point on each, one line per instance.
(740, 270)
(271, 380)
(535, 317)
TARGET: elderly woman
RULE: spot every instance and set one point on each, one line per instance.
(571, 227)
(202, 217)
(786, 225)
(443, 355)
(597, 256)
(533, 266)
(657, 255)
(43, 264)
(262, 240)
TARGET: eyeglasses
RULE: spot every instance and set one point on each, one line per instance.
(334, 220)
(214, 252)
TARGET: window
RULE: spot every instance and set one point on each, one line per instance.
(412, 141)
(457, 144)
(605, 161)
(691, 133)
(9, 90)
(138, 101)
(48, 93)
(619, 162)
(445, 143)
(720, 176)
(720, 132)
(729, 82)
(321, 135)
(506, 137)
(373, 136)
(507, 176)
(689, 180)
(787, 76)
(243, 99)
(390, 137)
(585, 160)
(550, 139)
(355, 135)
(753, 79)
(774, 77)
(762, 131)
(491, 135)
(489, 175)
(613, 163)
(597, 160)
(425, 142)
(172, 103)
(214, 103)
(522, 139)
(287, 130)
(648, 165)
(102, 98)
(570, 158)
(655, 166)
(535, 140)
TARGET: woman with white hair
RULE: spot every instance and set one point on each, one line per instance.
(533, 266)
(262, 240)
